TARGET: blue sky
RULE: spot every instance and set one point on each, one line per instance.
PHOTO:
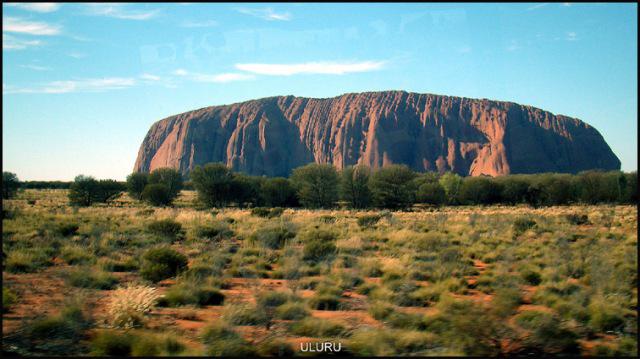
(82, 83)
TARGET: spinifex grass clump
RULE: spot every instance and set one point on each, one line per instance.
(127, 306)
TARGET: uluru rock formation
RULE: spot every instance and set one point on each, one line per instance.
(272, 136)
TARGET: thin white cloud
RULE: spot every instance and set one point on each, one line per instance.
(214, 78)
(567, 4)
(513, 46)
(13, 43)
(37, 7)
(537, 6)
(571, 36)
(17, 25)
(331, 68)
(119, 11)
(149, 77)
(77, 55)
(36, 67)
(68, 86)
(199, 24)
(266, 14)
(466, 49)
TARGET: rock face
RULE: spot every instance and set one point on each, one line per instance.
(272, 136)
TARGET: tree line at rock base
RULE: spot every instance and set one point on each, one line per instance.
(323, 186)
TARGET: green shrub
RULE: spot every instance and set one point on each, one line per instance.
(368, 220)
(315, 327)
(66, 229)
(547, 333)
(86, 277)
(390, 342)
(522, 224)
(319, 245)
(76, 254)
(162, 263)
(166, 228)
(325, 301)
(215, 231)
(530, 276)
(267, 212)
(605, 316)
(8, 299)
(26, 260)
(291, 311)
(272, 236)
(69, 324)
(272, 298)
(191, 293)
(112, 343)
(275, 348)
(223, 341)
(243, 314)
(156, 195)
(577, 219)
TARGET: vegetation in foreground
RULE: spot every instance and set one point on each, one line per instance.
(125, 278)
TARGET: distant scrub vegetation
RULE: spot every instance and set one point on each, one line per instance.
(358, 187)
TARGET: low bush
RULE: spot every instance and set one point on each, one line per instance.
(8, 300)
(315, 327)
(91, 278)
(77, 254)
(577, 219)
(244, 314)
(272, 236)
(166, 228)
(368, 220)
(275, 348)
(27, 260)
(291, 311)
(162, 263)
(112, 343)
(319, 245)
(267, 212)
(214, 232)
(547, 333)
(191, 293)
(522, 224)
(221, 340)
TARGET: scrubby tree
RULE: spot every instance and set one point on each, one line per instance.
(393, 187)
(354, 186)
(10, 185)
(169, 177)
(480, 190)
(514, 189)
(108, 190)
(316, 185)
(245, 190)
(83, 190)
(278, 192)
(136, 183)
(431, 193)
(452, 183)
(214, 183)
(157, 194)
(631, 190)
(556, 189)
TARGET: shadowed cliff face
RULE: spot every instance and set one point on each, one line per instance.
(272, 136)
